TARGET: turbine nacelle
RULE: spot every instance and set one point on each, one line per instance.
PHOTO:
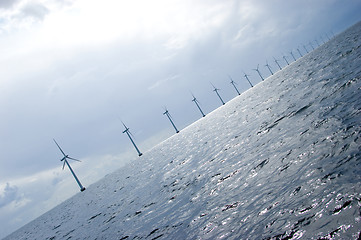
(71, 170)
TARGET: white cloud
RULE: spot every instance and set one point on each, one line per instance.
(159, 83)
(8, 194)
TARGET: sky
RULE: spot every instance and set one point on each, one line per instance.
(73, 70)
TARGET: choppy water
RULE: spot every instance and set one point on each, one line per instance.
(281, 161)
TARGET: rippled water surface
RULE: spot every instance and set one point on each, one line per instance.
(281, 161)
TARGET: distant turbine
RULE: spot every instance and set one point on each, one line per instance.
(66, 162)
(197, 103)
(293, 56)
(318, 44)
(234, 85)
(269, 67)
(322, 39)
(276, 61)
(312, 46)
(298, 50)
(284, 57)
(127, 131)
(246, 76)
(170, 119)
(327, 37)
(333, 35)
(257, 70)
(219, 96)
(305, 48)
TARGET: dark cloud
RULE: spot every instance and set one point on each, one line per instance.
(7, 3)
(8, 195)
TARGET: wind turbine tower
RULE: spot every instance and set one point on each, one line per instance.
(276, 61)
(318, 44)
(299, 52)
(127, 131)
(284, 57)
(82, 188)
(246, 76)
(259, 73)
(305, 48)
(170, 119)
(293, 56)
(312, 46)
(219, 96)
(234, 85)
(269, 67)
(197, 103)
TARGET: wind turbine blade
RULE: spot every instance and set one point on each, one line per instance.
(59, 147)
(74, 159)
(64, 164)
(124, 124)
(131, 134)
(192, 94)
(170, 115)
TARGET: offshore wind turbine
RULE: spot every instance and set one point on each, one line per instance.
(318, 44)
(312, 46)
(82, 188)
(234, 85)
(127, 131)
(259, 73)
(219, 96)
(170, 119)
(284, 57)
(305, 48)
(299, 52)
(246, 76)
(293, 56)
(276, 61)
(197, 104)
(269, 67)
(327, 37)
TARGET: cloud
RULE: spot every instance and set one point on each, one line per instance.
(34, 10)
(163, 81)
(8, 194)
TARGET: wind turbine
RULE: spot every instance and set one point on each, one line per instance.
(318, 44)
(246, 76)
(312, 46)
(293, 56)
(127, 131)
(299, 52)
(197, 103)
(233, 83)
(276, 61)
(66, 162)
(216, 91)
(327, 37)
(170, 119)
(284, 57)
(257, 70)
(269, 67)
(305, 48)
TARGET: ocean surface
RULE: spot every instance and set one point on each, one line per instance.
(280, 161)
